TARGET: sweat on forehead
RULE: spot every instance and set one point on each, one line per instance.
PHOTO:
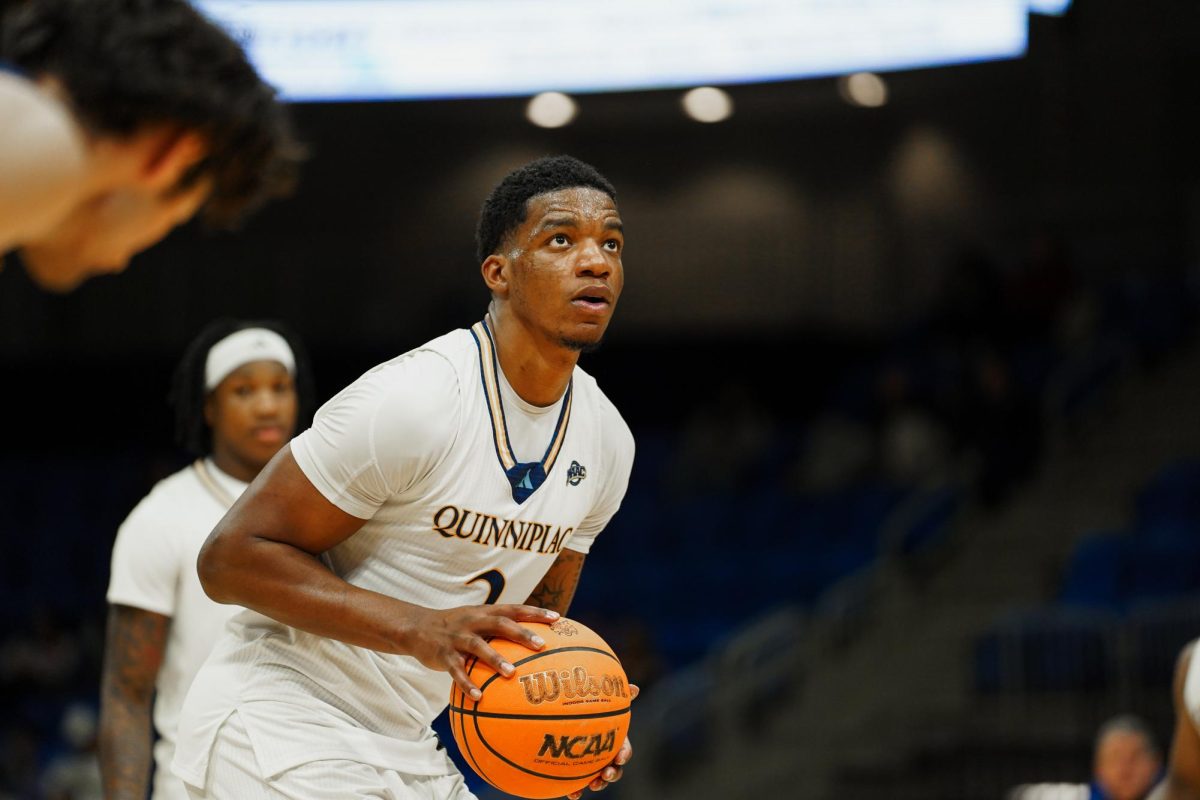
(506, 205)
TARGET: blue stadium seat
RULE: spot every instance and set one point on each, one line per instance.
(1094, 576)
(1173, 494)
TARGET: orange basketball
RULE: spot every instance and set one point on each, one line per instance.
(553, 726)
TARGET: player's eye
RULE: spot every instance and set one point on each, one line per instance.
(560, 239)
(613, 245)
(243, 390)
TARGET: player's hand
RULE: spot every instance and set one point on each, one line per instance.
(612, 773)
(445, 639)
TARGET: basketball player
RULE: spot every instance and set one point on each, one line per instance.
(1182, 781)
(237, 394)
(119, 120)
(441, 499)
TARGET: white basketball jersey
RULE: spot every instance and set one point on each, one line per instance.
(154, 569)
(1191, 686)
(469, 495)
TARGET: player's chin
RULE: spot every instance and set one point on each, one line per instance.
(51, 272)
(583, 338)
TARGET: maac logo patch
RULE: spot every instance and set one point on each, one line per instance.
(576, 473)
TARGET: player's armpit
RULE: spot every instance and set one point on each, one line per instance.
(557, 588)
(133, 653)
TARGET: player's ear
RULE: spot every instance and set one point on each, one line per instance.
(495, 269)
(167, 156)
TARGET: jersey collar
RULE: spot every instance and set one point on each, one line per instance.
(524, 477)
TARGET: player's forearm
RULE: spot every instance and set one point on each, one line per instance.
(125, 746)
(296, 588)
(557, 588)
(133, 652)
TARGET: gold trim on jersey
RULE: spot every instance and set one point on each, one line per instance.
(524, 477)
(210, 483)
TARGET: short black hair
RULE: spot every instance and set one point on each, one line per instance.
(128, 63)
(505, 207)
(188, 392)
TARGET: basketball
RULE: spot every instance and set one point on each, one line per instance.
(553, 726)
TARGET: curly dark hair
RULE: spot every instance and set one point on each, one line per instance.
(128, 63)
(188, 393)
(504, 210)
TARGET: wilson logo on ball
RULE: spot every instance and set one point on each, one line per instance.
(578, 746)
(549, 685)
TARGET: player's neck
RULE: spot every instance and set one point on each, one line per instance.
(228, 462)
(537, 369)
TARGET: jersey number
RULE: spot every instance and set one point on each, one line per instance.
(495, 582)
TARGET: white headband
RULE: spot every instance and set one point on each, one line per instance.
(242, 347)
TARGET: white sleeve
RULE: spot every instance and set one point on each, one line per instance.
(618, 462)
(145, 563)
(383, 433)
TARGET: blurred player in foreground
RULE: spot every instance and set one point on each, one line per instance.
(1183, 765)
(238, 393)
(441, 499)
(121, 119)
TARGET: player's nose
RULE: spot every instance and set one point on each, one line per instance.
(592, 261)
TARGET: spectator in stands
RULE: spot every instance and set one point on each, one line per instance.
(1127, 762)
(913, 443)
(1004, 428)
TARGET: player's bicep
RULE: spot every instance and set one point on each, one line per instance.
(557, 588)
(283, 506)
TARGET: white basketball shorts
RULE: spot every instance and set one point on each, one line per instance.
(233, 774)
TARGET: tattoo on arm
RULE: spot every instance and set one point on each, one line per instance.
(557, 588)
(133, 652)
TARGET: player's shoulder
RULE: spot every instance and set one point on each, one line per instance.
(41, 138)
(413, 392)
(171, 499)
(39, 110)
(430, 370)
(439, 359)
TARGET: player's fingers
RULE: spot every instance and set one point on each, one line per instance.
(524, 613)
(487, 654)
(611, 774)
(508, 629)
(456, 666)
(634, 691)
(624, 754)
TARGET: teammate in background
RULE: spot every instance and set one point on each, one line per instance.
(441, 499)
(1182, 781)
(1126, 761)
(119, 120)
(238, 393)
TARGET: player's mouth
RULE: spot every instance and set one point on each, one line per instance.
(596, 299)
(268, 434)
